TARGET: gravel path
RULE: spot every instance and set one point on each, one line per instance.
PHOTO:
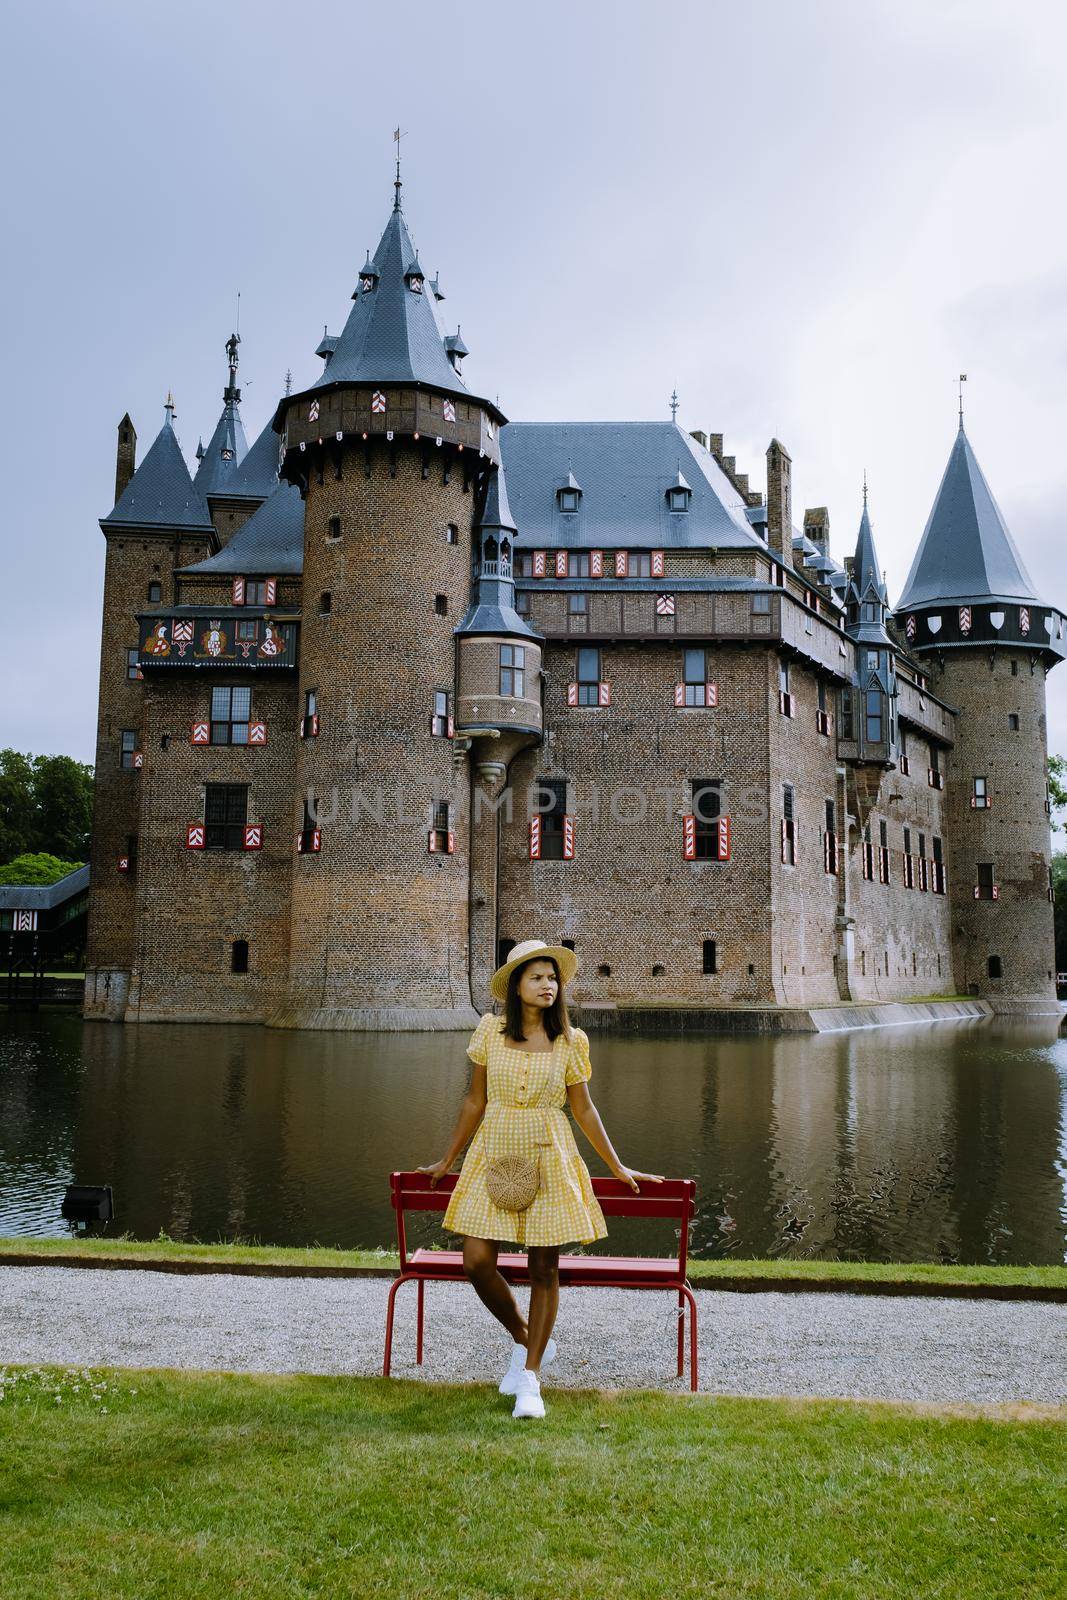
(859, 1346)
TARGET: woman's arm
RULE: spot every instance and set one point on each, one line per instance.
(471, 1113)
(587, 1117)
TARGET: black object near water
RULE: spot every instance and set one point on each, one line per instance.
(88, 1202)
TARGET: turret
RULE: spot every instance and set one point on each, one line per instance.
(227, 446)
(971, 614)
(392, 454)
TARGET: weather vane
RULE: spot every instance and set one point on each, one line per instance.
(963, 380)
(397, 136)
(674, 405)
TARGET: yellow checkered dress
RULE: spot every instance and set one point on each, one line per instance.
(527, 1093)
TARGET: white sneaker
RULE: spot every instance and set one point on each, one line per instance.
(508, 1382)
(528, 1402)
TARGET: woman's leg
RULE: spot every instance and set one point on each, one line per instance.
(479, 1263)
(544, 1300)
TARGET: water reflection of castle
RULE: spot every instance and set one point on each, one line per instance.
(362, 602)
(929, 1144)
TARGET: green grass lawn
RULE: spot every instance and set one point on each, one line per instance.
(185, 1485)
(221, 1252)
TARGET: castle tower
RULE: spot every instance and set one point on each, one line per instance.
(390, 451)
(971, 614)
(158, 520)
(498, 712)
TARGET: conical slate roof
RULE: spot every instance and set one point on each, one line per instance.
(497, 514)
(966, 551)
(160, 494)
(228, 446)
(868, 586)
(257, 475)
(392, 334)
(492, 609)
(270, 543)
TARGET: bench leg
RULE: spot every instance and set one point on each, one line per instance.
(681, 1330)
(418, 1325)
(688, 1293)
(390, 1307)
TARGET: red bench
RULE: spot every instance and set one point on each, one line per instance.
(671, 1200)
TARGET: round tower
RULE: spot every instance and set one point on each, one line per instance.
(391, 453)
(971, 615)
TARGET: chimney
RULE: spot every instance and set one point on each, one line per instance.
(125, 456)
(715, 445)
(701, 438)
(817, 527)
(780, 502)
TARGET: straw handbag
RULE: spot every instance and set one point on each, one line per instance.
(513, 1181)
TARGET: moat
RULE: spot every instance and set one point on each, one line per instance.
(945, 1143)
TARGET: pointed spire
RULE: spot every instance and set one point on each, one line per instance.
(866, 594)
(160, 494)
(492, 610)
(227, 446)
(966, 551)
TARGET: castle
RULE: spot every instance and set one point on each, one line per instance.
(404, 683)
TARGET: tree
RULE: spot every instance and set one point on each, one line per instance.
(37, 870)
(1057, 787)
(46, 806)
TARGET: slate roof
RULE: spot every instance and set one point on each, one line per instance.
(270, 543)
(257, 475)
(867, 585)
(44, 897)
(492, 610)
(625, 470)
(160, 494)
(216, 471)
(966, 551)
(392, 334)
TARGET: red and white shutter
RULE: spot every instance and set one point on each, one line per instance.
(257, 733)
(622, 563)
(603, 694)
(1024, 619)
(596, 563)
(253, 839)
(451, 842)
(679, 694)
(431, 840)
(689, 838)
(724, 838)
(271, 592)
(568, 836)
(965, 619)
(657, 564)
(572, 694)
(539, 563)
(451, 727)
(194, 836)
(711, 694)
(138, 758)
(535, 838)
(124, 863)
(996, 891)
(561, 563)
(201, 733)
(785, 835)
(238, 591)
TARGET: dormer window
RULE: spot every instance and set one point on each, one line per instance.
(678, 498)
(415, 277)
(568, 499)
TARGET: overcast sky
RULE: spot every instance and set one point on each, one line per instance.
(806, 217)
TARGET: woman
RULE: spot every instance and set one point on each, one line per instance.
(526, 1066)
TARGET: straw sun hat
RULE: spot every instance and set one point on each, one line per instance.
(565, 959)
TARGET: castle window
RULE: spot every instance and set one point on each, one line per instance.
(239, 955)
(884, 872)
(1013, 721)
(1015, 674)
(993, 967)
(603, 971)
(979, 794)
(678, 497)
(695, 689)
(568, 499)
(513, 669)
(710, 958)
(588, 676)
(333, 528)
(439, 719)
(504, 947)
(309, 727)
(576, 604)
(639, 564)
(761, 603)
(451, 534)
(872, 660)
(985, 889)
(523, 564)
(874, 698)
(127, 746)
(325, 603)
(789, 839)
(909, 861)
(924, 880)
(133, 669)
(904, 762)
(231, 712)
(256, 592)
(579, 565)
(710, 838)
(868, 854)
(830, 839)
(845, 712)
(785, 699)
(552, 812)
(522, 602)
(938, 867)
(155, 593)
(935, 776)
(225, 815)
(441, 836)
(440, 604)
